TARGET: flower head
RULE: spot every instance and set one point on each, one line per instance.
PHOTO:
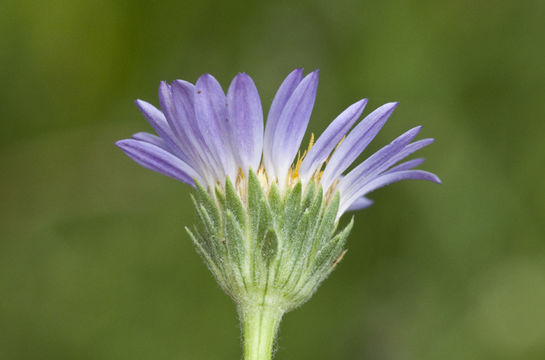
(209, 137)
(268, 214)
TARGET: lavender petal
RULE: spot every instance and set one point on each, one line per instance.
(246, 120)
(329, 139)
(407, 165)
(292, 124)
(356, 141)
(182, 98)
(212, 119)
(159, 160)
(408, 150)
(384, 180)
(159, 123)
(377, 162)
(182, 106)
(279, 102)
(360, 204)
(152, 139)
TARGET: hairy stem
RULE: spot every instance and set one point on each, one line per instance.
(259, 326)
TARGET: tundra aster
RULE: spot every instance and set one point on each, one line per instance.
(268, 212)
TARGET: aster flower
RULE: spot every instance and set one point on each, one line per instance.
(269, 213)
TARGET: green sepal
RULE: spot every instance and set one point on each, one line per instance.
(205, 200)
(271, 244)
(269, 247)
(306, 243)
(220, 196)
(215, 268)
(326, 256)
(309, 195)
(292, 209)
(261, 245)
(233, 203)
(234, 240)
(327, 224)
(324, 263)
(276, 204)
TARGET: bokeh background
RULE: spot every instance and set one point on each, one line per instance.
(94, 260)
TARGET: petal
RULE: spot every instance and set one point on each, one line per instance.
(211, 114)
(181, 96)
(167, 104)
(157, 159)
(384, 180)
(395, 158)
(246, 120)
(159, 123)
(152, 139)
(408, 150)
(407, 165)
(329, 139)
(279, 102)
(356, 141)
(391, 178)
(360, 203)
(292, 125)
(376, 163)
(178, 97)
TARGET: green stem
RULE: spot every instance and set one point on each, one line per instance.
(259, 326)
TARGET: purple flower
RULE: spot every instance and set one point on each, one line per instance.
(207, 136)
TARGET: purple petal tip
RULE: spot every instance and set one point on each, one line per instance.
(362, 102)
(121, 143)
(203, 77)
(415, 130)
(391, 107)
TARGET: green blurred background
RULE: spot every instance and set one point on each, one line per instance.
(94, 260)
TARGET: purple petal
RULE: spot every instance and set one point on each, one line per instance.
(384, 180)
(181, 117)
(329, 139)
(292, 125)
(178, 107)
(279, 102)
(376, 163)
(157, 159)
(360, 203)
(212, 118)
(182, 95)
(167, 104)
(180, 98)
(152, 139)
(408, 150)
(407, 165)
(246, 118)
(159, 123)
(390, 178)
(393, 159)
(356, 142)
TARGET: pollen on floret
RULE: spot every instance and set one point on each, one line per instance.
(293, 176)
(293, 172)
